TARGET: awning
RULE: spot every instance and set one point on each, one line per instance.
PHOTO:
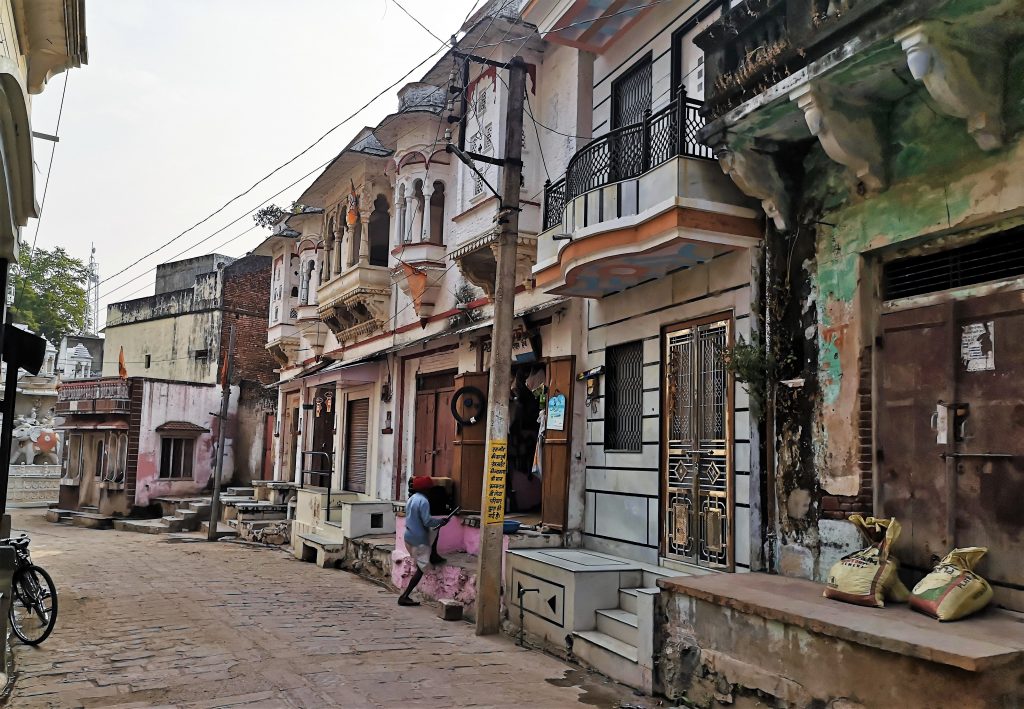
(181, 427)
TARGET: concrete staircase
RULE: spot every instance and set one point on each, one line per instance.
(181, 514)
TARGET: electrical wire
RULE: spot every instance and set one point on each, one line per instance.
(49, 169)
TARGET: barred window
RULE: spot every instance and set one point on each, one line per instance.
(488, 146)
(623, 403)
(176, 456)
(478, 184)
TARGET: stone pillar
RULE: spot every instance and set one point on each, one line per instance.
(364, 238)
(410, 218)
(425, 235)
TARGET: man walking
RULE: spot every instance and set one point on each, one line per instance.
(421, 533)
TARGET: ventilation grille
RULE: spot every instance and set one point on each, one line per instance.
(995, 258)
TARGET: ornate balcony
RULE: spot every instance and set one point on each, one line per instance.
(478, 259)
(111, 395)
(357, 302)
(637, 203)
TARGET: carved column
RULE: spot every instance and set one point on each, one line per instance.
(965, 83)
(410, 219)
(364, 237)
(425, 226)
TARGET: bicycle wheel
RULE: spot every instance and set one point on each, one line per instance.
(33, 605)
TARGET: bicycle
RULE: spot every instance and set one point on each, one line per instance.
(33, 610)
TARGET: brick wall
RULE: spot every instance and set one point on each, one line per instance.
(841, 507)
(246, 298)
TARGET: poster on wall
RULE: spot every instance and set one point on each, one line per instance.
(556, 413)
(978, 346)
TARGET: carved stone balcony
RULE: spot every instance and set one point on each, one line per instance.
(357, 302)
(478, 259)
(419, 272)
(110, 395)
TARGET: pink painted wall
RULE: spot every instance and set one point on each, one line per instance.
(446, 580)
(179, 401)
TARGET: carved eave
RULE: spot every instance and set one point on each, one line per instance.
(284, 349)
(357, 314)
(847, 132)
(964, 83)
(478, 259)
(757, 175)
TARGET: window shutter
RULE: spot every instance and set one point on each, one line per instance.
(356, 444)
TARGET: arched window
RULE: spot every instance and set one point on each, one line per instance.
(436, 235)
(380, 228)
(417, 207)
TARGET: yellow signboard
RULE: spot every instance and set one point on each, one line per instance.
(494, 481)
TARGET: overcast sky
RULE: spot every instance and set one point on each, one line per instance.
(185, 104)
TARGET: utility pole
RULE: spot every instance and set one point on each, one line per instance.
(225, 400)
(488, 577)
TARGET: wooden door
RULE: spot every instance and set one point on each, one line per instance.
(269, 426)
(423, 434)
(916, 363)
(357, 440)
(93, 464)
(989, 438)
(324, 417)
(290, 436)
(557, 447)
(697, 458)
(469, 449)
(444, 434)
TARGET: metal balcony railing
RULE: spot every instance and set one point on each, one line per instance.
(628, 152)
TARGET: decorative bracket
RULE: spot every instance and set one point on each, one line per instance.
(963, 84)
(847, 132)
(757, 175)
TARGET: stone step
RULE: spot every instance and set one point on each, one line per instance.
(145, 526)
(609, 656)
(200, 507)
(58, 516)
(91, 520)
(241, 492)
(619, 624)
(627, 599)
(223, 530)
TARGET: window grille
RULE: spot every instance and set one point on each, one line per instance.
(488, 138)
(481, 101)
(176, 457)
(631, 94)
(478, 184)
(994, 258)
(623, 406)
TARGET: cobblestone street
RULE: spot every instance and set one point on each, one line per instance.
(147, 621)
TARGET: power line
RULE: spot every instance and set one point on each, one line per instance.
(280, 167)
(49, 169)
(413, 18)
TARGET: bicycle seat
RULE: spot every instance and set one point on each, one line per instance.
(19, 542)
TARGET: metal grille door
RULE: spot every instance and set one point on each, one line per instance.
(631, 95)
(697, 502)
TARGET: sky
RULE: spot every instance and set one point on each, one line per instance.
(185, 104)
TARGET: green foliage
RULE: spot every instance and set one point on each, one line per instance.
(268, 216)
(49, 295)
(753, 365)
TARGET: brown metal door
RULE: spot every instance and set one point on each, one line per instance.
(697, 455)
(557, 448)
(269, 425)
(989, 438)
(357, 440)
(324, 417)
(916, 373)
(469, 449)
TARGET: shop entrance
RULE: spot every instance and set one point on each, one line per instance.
(538, 476)
(435, 425)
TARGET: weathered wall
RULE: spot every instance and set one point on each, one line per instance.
(181, 275)
(171, 343)
(942, 187)
(176, 401)
(255, 402)
(246, 301)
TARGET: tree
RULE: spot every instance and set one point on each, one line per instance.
(268, 216)
(49, 292)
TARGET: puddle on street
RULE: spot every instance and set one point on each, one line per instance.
(600, 692)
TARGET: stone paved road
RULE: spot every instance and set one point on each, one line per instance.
(147, 622)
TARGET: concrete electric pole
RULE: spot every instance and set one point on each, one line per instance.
(225, 400)
(488, 578)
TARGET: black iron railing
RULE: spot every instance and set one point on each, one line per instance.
(628, 152)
